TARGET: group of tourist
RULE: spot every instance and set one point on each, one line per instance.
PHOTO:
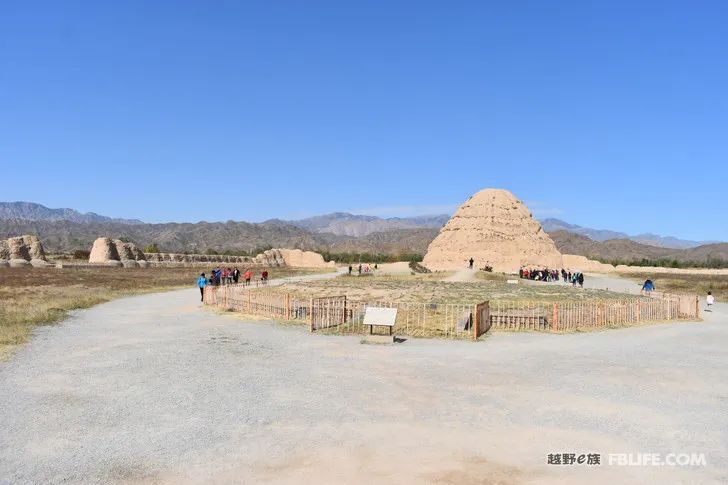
(366, 269)
(227, 276)
(575, 278)
(224, 276)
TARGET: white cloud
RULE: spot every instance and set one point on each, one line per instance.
(540, 209)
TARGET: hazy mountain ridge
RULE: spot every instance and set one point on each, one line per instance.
(337, 233)
(346, 224)
(201, 237)
(38, 212)
(601, 235)
(627, 250)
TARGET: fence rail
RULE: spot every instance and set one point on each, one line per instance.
(455, 320)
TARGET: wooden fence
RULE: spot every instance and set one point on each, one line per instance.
(455, 320)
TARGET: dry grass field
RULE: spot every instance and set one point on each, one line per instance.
(698, 284)
(430, 288)
(38, 296)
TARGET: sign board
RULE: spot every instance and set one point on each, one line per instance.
(380, 316)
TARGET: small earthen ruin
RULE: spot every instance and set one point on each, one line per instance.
(21, 251)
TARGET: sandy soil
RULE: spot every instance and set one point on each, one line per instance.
(155, 389)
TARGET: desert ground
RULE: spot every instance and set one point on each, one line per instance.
(40, 296)
(157, 389)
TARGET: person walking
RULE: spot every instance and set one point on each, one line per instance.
(248, 276)
(709, 300)
(581, 280)
(236, 275)
(201, 284)
(350, 268)
(472, 261)
(648, 286)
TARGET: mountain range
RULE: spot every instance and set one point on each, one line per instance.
(552, 225)
(36, 212)
(345, 224)
(66, 230)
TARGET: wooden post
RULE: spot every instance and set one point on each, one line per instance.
(639, 310)
(697, 307)
(476, 322)
(310, 315)
(555, 318)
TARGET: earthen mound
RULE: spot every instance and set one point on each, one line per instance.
(495, 229)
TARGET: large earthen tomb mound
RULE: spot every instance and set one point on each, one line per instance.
(496, 229)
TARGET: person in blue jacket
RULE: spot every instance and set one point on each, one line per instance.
(648, 286)
(201, 283)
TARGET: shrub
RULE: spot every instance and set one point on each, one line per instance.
(81, 254)
(152, 248)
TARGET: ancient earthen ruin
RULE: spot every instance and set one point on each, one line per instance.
(495, 229)
(22, 251)
(113, 252)
(295, 258)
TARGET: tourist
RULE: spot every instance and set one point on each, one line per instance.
(223, 276)
(201, 284)
(359, 269)
(236, 275)
(264, 276)
(563, 275)
(472, 261)
(248, 276)
(709, 300)
(648, 286)
(581, 280)
(350, 269)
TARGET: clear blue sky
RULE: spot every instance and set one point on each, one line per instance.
(606, 114)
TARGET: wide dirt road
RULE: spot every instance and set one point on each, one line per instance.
(156, 389)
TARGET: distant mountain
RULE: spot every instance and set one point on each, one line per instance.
(67, 236)
(65, 230)
(202, 237)
(554, 225)
(345, 224)
(627, 250)
(31, 211)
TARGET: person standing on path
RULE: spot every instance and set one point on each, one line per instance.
(709, 300)
(471, 263)
(236, 275)
(201, 284)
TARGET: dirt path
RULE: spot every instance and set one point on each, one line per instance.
(156, 389)
(463, 275)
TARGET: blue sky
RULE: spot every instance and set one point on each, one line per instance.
(605, 114)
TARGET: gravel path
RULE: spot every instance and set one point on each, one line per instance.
(156, 389)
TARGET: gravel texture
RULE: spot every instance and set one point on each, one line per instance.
(157, 389)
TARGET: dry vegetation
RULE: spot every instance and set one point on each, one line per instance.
(430, 288)
(36, 296)
(698, 284)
